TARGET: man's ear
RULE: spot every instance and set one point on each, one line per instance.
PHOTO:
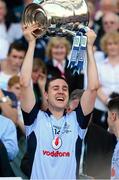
(46, 95)
(114, 115)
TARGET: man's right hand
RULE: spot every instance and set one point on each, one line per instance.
(28, 32)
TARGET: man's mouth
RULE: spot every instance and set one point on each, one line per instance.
(60, 99)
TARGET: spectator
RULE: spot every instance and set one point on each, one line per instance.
(57, 51)
(14, 87)
(11, 66)
(9, 31)
(4, 44)
(39, 76)
(110, 22)
(113, 122)
(98, 145)
(40, 47)
(8, 137)
(6, 107)
(106, 6)
(91, 9)
(109, 77)
(5, 167)
(74, 99)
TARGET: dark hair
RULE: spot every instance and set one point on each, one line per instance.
(49, 80)
(18, 46)
(76, 94)
(113, 95)
(114, 104)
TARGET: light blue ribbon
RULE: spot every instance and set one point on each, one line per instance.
(78, 52)
(37, 1)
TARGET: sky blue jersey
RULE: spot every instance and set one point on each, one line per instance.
(8, 136)
(54, 145)
(115, 163)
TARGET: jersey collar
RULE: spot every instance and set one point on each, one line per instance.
(49, 112)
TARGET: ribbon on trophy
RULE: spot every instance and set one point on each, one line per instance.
(37, 1)
(78, 52)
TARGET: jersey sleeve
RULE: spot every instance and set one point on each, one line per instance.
(30, 117)
(82, 121)
(9, 139)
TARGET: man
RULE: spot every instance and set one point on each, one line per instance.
(113, 122)
(11, 66)
(54, 136)
(109, 23)
(98, 145)
(8, 146)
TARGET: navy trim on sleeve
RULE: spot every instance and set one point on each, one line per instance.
(29, 118)
(82, 120)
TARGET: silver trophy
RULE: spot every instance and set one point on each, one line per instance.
(61, 16)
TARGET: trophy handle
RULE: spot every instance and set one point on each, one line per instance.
(35, 14)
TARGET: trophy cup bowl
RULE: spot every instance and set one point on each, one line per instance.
(56, 15)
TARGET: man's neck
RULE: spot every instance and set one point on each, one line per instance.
(57, 113)
(7, 68)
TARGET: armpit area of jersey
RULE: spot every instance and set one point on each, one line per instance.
(29, 118)
(83, 120)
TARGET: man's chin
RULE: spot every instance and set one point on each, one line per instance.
(61, 108)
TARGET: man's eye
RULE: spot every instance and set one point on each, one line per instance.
(64, 89)
(56, 88)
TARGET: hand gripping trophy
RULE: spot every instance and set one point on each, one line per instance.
(61, 16)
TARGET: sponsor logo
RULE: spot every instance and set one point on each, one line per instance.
(113, 172)
(56, 153)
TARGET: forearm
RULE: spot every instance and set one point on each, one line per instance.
(44, 102)
(92, 73)
(26, 69)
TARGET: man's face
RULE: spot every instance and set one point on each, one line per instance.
(16, 59)
(16, 90)
(36, 74)
(110, 23)
(108, 6)
(58, 94)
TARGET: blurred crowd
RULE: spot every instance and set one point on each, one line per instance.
(51, 59)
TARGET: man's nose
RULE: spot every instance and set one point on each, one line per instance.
(60, 91)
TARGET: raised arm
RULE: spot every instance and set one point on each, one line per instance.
(103, 96)
(89, 96)
(28, 97)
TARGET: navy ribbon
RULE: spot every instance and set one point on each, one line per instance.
(78, 52)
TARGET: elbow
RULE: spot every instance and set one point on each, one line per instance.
(94, 87)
